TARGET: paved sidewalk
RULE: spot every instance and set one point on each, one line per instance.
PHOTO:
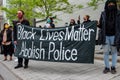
(1, 78)
(41, 70)
(6, 73)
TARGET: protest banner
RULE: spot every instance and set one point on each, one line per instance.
(74, 44)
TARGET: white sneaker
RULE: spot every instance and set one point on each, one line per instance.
(16, 60)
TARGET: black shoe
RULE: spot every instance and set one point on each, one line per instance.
(5, 60)
(106, 70)
(113, 70)
(26, 66)
(18, 66)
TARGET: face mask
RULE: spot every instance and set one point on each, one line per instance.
(111, 8)
(20, 15)
(48, 20)
(85, 19)
(6, 26)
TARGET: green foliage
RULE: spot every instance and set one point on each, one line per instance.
(15, 5)
(41, 8)
(94, 3)
(79, 6)
(36, 8)
(49, 7)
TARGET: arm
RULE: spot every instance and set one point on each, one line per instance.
(118, 32)
(15, 30)
(0, 37)
(99, 25)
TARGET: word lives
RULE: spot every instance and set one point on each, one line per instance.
(81, 34)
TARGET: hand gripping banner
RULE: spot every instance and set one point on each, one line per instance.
(74, 44)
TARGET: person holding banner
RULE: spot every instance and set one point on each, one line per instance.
(21, 20)
(78, 21)
(109, 26)
(72, 22)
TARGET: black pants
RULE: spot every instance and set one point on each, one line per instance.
(20, 61)
(8, 49)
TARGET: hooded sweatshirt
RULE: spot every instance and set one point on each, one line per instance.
(111, 12)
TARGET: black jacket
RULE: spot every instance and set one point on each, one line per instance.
(9, 35)
(101, 36)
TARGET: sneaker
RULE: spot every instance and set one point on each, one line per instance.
(113, 70)
(106, 70)
(26, 66)
(18, 66)
(16, 60)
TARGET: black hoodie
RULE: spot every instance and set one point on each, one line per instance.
(111, 12)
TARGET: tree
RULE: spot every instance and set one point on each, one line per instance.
(49, 7)
(36, 8)
(94, 3)
(40, 8)
(118, 4)
(14, 5)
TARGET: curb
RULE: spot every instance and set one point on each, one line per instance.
(99, 56)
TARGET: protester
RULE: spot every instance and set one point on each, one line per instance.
(109, 25)
(78, 21)
(52, 23)
(66, 24)
(49, 23)
(21, 20)
(86, 19)
(6, 35)
(72, 22)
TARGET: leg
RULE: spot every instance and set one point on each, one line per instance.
(26, 63)
(5, 57)
(106, 59)
(10, 51)
(114, 56)
(5, 52)
(106, 56)
(114, 60)
(10, 56)
(106, 52)
(20, 60)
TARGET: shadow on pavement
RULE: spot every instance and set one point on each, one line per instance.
(1, 78)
